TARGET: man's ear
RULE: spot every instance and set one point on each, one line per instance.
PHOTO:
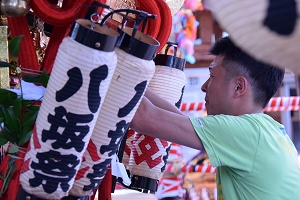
(241, 85)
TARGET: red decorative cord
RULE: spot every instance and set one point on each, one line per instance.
(153, 25)
(61, 26)
(27, 55)
(166, 24)
(54, 15)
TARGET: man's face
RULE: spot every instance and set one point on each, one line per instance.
(219, 91)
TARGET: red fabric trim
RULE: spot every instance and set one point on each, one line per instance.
(27, 55)
(14, 183)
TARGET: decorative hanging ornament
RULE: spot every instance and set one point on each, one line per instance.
(172, 179)
(79, 81)
(149, 155)
(14, 8)
(135, 68)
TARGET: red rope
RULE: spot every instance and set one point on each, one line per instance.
(57, 35)
(61, 27)
(166, 24)
(153, 25)
(54, 15)
(54, 2)
(27, 55)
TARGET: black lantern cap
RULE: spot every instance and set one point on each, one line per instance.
(143, 184)
(170, 60)
(93, 35)
(132, 40)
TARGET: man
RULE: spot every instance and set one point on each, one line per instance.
(256, 159)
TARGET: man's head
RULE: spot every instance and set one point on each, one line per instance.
(242, 71)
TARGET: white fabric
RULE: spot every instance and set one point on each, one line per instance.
(30, 91)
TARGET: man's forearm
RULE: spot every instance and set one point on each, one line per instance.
(161, 102)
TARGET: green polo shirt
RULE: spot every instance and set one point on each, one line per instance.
(255, 157)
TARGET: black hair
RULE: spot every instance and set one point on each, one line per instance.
(265, 79)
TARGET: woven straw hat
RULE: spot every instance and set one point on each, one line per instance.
(267, 30)
(174, 5)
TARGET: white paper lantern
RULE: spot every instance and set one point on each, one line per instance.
(149, 155)
(133, 73)
(75, 92)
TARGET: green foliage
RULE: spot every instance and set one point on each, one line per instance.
(14, 46)
(37, 78)
(9, 171)
(17, 116)
(13, 49)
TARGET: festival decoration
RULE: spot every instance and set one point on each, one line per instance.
(275, 104)
(283, 104)
(161, 27)
(69, 111)
(39, 38)
(149, 155)
(61, 18)
(267, 30)
(128, 147)
(185, 29)
(135, 67)
(193, 168)
(170, 185)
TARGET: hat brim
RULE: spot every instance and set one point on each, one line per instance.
(267, 32)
